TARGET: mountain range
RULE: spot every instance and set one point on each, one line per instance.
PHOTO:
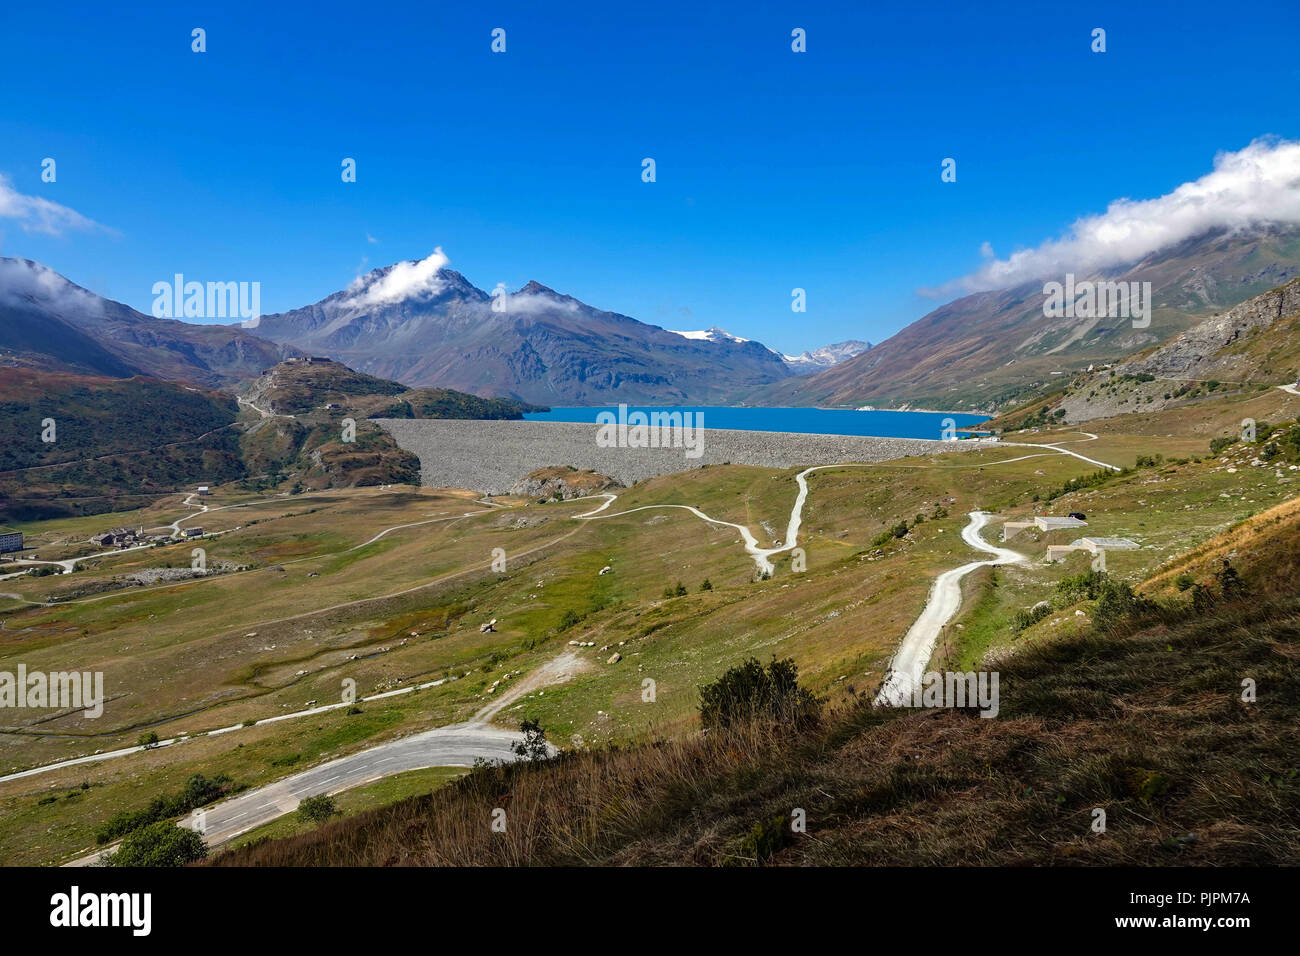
(48, 323)
(990, 349)
(424, 325)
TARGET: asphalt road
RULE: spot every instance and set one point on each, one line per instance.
(456, 745)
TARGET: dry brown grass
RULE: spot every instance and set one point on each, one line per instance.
(1146, 723)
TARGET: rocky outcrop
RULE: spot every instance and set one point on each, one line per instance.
(562, 483)
(1196, 353)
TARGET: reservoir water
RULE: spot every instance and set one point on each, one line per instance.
(812, 421)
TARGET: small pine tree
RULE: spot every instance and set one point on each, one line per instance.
(533, 746)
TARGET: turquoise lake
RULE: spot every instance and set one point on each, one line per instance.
(812, 421)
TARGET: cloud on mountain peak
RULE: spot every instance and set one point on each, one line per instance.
(403, 280)
(1255, 186)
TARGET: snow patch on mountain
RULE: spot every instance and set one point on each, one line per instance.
(711, 334)
(824, 357)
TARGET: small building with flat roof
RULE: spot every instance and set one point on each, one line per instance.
(1043, 523)
(1107, 544)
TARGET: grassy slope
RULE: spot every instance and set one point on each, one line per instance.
(1144, 721)
(180, 658)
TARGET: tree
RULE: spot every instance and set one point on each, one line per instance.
(159, 844)
(533, 746)
(148, 741)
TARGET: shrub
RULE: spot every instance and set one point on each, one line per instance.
(749, 692)
(198, 791)
(317, 809)
(706, 585)
(1231, 587)
(1118, 602)
(1023, 619)
(1081, 587)
(159, 844)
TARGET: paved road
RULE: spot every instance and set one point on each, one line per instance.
(456, 745)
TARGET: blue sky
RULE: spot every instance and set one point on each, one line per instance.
(819, 170)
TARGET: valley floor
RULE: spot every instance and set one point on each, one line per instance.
(391, 588)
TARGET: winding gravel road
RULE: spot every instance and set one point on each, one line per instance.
(913, 654)
(461, 744)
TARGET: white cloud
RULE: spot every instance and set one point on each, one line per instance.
(22, 281)
(535, 302)
(403, 280)
(35, 214)
(1255, 186)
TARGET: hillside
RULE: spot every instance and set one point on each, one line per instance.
(119, 442)
(113, 440)
(48, 323)
(391, 587)
(298, 386)
(1141, 715)
(991, 349)
(1251, 347)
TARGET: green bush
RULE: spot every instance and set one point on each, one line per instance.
(198, 791)
(1080, 587)
(750, 691)
(1118, 602)
(1023, 619)
(317, 809)
(159, 844)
